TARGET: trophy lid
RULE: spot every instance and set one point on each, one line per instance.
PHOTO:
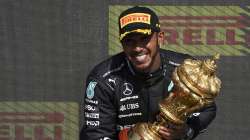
(199, 76)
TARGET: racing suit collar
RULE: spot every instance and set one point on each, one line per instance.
(149, 78)
(142, 74)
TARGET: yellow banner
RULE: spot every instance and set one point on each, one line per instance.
(196, 30)
(39, 121)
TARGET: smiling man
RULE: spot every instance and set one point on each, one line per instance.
(126, 88)
(143, 51)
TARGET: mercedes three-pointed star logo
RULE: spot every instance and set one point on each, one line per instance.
(127, 89)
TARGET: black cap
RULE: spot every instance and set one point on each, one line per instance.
(138, 20)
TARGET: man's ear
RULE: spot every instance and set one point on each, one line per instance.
(161, 38)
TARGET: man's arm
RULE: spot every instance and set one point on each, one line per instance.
(99, 112)
(196, 124)
(199, 121)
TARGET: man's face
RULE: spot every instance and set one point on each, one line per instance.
(143, 51)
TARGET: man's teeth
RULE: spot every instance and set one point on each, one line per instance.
(141, 57)
(141, 54)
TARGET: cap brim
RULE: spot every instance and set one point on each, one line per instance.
(141, 31)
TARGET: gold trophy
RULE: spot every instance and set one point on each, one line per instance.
(195, 87)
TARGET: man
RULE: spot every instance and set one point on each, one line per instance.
(126, 88)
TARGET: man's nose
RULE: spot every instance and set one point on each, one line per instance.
(137, 48)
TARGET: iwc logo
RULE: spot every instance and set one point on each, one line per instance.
(127, 89)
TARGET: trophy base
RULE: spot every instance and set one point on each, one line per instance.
(144, 131)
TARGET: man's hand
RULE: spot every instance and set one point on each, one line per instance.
(173, 132)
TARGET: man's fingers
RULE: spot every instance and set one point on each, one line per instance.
(165, 129)
(171, 133)
(164, 133)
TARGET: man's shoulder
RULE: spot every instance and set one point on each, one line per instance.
(174, 58)
(113, 64)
